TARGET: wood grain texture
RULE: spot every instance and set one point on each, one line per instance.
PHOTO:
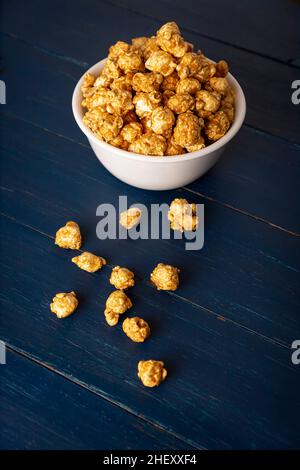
(225, 389)
(45, 97)
(244, 25)
(247, 271)
(84, 39)
(40, 410)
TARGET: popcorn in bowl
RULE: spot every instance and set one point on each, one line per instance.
(157, 97)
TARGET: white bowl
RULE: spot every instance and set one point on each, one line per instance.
(158, 173)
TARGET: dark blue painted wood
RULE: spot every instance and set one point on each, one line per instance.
(226, 388)
(45, 97)
(85, 37)
(247, 270)
(257, 26)
(42, 410)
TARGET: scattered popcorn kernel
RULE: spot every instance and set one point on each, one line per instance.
(116, 304)
(136, 329)
(132, 131)
(89, 262)
(149, 144)
(151, 372)
(180, 103)
(145, 103)
(147, 82)
(187, 129)
(217, 126)
(69, 236)
(188, 85)
(64, 304)
(131, 62)
(121, 278)
(170, 40)
(165, 277)
(130, 218)
(162, 62)
(182, 215)
(173, 148)
(162, 119)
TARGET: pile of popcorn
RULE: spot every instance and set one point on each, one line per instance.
(182, 216)
(156, 96)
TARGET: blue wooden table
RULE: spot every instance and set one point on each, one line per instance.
(226, 334)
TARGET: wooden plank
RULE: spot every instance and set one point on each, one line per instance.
(42, 410)
(85, 37)
(226, 388)
(45, 98)
(247, 271)
(257, 26)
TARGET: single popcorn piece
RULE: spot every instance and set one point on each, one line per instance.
(89, 262)
(151, 372)
(118, 49)
(69, 236)
(173, 148)
(165, 277)
(188, 85)
(131, 62)
(64, 304)
(161, 62)
(189, 66)
(109, 126)
(207, 103)
(119, 102)
(145, 103)
(162, 119)
(149, 144)
(122, 278)
(132, 131)
(199, 145)
(181, 103)
(170, 40)
(187, 129)
(222, 68)
(136, 329)
(130, 218)
(182, 215)
(117, 303)
(147, 82)
(220, 85)
(217, 126)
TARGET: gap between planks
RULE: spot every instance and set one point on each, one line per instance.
(103, 396)
(208, 198)
(219, 316)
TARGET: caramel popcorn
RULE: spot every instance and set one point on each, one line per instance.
(121, 278)
(69, 236)
(116, 304)
(162, 119)
(130, 218)
(155, 96)
(64, 304)
(151, 372)
(89, 262)
(182, 215)
(136, 329)
(165, 277)
(187, 130)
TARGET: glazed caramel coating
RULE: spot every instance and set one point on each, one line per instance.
(89, 262)
(152, 82)
(69, 236)
(121, 278)
(165, 277)
(151, 372)
(64, 304)
(117, 303)
(136, 329)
